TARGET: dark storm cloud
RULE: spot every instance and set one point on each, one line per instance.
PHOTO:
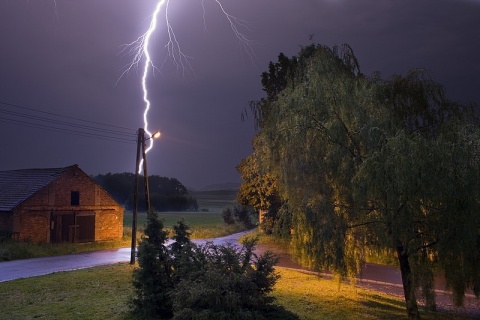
(67, 60)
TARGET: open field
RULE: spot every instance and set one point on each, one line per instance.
(202, 224)
(205, 223)
(214, 201)
(210, 204)
(103, 292)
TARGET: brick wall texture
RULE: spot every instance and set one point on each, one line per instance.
(43, 217)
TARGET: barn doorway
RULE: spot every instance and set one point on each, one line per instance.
(72, 227)
(86, 227)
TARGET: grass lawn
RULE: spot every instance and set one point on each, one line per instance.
(103, 292)
(314, 298)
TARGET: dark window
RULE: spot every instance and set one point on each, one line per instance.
(75, 198)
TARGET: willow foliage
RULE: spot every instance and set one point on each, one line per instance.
(315, 133)
(367, 163)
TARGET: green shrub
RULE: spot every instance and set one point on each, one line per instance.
(243, 214)
(186, 281)
(240, 214)
(13, 250)
(227, 215)
(233, 284)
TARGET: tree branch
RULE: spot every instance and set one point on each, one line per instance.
(364, 224)
(431, 244)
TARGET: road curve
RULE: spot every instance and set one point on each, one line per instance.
(25, 268)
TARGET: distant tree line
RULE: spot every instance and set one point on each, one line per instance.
(166, 194)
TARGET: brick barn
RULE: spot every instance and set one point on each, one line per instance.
(57, 205)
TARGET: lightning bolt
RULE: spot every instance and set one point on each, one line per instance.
(140, 50)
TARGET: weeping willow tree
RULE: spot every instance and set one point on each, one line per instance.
(366, 163)
(313, 129)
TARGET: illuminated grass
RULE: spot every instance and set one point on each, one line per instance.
(195, 220)
(103, 292)
(317, 298)
(13, 250)
(314, 298)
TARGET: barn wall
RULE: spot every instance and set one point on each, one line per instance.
(107, 226)
(40, 232)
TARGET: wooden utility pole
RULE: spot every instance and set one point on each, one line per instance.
(145, 174)
(140, 143)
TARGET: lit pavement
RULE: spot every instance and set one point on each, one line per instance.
(16, 269)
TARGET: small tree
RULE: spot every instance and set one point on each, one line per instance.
(185, 261)
(238, 213)
(242, 214)
(259, 190)
(152, 280)
(227, 215)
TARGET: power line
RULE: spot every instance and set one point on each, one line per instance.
(64, 123)
(69, 131)
(81, 127)
(63, 116)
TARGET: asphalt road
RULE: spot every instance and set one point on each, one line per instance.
(11, 270)
(16, 269)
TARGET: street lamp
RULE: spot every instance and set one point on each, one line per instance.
(140, 145)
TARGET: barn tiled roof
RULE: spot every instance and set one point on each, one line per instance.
(16, 186)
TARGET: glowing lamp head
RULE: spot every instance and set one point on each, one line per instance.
(156, 134)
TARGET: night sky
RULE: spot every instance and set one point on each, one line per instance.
(64, 58)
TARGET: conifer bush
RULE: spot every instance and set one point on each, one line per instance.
(188, 281)
(152, 280)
